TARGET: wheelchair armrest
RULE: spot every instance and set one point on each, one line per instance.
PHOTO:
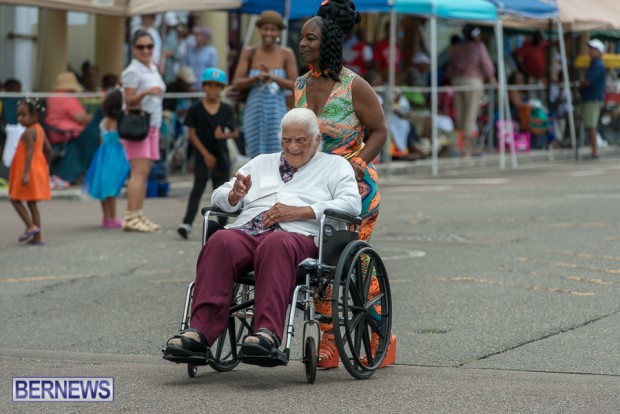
(217, 212)
(341, 215)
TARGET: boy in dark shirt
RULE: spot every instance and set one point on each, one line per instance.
(210, 124)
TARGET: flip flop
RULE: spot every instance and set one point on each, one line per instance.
(28, 235)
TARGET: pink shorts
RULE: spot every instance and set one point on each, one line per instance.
(148, 148)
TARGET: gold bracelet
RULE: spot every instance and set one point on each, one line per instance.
(359, 161)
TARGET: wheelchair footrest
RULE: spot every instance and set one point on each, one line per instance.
(187, 359)
(274, 359)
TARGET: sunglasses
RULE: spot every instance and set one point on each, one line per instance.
(148, 47)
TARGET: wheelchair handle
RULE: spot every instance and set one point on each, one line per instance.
(216, 211)
(341, 215)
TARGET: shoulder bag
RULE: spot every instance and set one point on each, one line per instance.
(133, 125)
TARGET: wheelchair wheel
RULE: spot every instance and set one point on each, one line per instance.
(310, 359)
(361, 310)
(192, 370)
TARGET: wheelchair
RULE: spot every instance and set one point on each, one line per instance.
(359, 316)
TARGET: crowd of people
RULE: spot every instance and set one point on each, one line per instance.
(177, 57)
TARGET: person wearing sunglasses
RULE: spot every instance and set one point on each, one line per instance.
(144, 89)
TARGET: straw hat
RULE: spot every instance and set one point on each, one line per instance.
(66, 81)
(186, 74)
(271, 16)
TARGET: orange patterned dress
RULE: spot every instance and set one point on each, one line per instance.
(39, 186)
(343, 135)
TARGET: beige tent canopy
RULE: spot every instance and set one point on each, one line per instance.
(578, 16)
(127, 7)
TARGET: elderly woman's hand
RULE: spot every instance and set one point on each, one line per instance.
(240, 188)
(281, 213)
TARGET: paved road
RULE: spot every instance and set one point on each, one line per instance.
(505, 288)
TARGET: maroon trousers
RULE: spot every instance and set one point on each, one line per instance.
(229, 254)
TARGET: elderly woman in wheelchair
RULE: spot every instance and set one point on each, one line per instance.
(281, 202)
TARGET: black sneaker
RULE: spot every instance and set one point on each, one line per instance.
(184, 230)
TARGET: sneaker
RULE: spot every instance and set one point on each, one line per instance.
(184, 230)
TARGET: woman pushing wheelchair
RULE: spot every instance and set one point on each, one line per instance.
(281, 198)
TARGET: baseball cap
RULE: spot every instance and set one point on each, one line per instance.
(598, 45)
(421, 59)
(214, 75)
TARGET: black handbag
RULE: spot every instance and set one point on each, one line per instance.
(133, 125)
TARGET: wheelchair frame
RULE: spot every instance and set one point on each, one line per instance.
(354, 310)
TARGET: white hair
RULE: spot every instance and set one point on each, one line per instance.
(304, 118)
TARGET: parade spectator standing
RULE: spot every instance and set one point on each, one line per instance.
(381, 53)
(170, 49)
(592, 90)
(29, 175)
(470, 67)
(147, 23)
(351, 122)
(532, 58)
(109, 167)
(144, 89)
(200, 53)
(356, 53)
(210, 124)
(266, 71)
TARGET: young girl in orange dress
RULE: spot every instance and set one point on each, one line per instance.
(29, 178)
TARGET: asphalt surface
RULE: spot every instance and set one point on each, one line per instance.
(505, 289)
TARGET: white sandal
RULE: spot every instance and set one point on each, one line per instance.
(134, 221)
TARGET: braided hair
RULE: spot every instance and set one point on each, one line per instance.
(338, 18)
(34, 105)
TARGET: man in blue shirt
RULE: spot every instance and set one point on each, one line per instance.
(200, 53)
(592, 90)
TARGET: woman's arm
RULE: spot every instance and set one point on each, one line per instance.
(369, 111)
(241, 80)
(133, 98)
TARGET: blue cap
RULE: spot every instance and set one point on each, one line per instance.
(214, 75)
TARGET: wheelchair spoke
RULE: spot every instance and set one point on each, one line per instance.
(368, 276)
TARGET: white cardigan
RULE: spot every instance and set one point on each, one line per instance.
(326, 181)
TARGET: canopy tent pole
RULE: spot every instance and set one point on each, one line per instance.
(504, 102)
(500, 94)
(569, 95)
(434, 95)
(287, 19)
(389, 93)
